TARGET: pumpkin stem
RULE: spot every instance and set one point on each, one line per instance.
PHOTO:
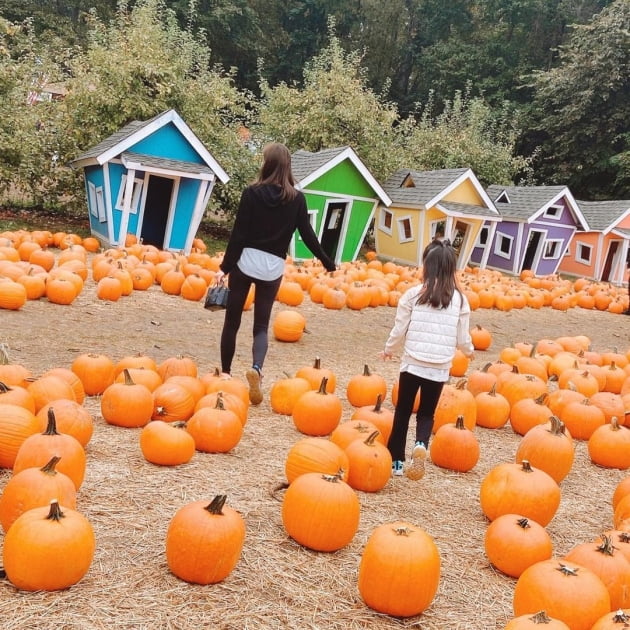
(607, 546)
(486, 367)
(49, 468)
(614, 424)
(540, 617)
(338, 476)
(51, 426)
(624, 537)
(379, 404)
(366, 370)
(216, 505)
(541, 399)
(402, 531)
(567, 570)
(370, 439)
(526, 466)
(128, 379)
(459, 423)
(322, 385)
(523, 522)
(557, 426)
(55, 513)
(318, 363)
(220, 404)
(621, 617)
(4, 388)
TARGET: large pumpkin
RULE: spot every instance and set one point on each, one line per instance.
(519, 489)
(321, 512)
(568, 592)
(48, 548)
(204, 541)
(399, 572)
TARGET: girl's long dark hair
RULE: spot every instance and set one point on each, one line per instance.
(438, 269)
(276, 169)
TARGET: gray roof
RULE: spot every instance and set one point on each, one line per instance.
(111, 141)
(468, 209)
(603, 214)
(167, 163)
(524, 201)
(303, 163)
(427, 185)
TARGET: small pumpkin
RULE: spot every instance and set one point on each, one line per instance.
(166, 443)
(316, 454)
(455, 447)
(288, 326)
(127, 404)
(362, 389)
(317, 413)
(370, 464)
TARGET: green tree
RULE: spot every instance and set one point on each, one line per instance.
(581, 109)
(333, 108)
(132, 69)
(468, 133)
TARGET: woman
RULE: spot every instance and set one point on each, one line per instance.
(270, 211)
(432, 321)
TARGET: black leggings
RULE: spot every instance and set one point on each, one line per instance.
(265, 295)
(430, 391)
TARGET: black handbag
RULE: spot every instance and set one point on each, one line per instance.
(217, 296)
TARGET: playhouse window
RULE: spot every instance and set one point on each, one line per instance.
(135, 196)
(312, 217)
(503, 246)
(405, 233)
(386, 220)
(552, 248)
(583, 253)
(483, 236)
(553, 212)
(97, 202)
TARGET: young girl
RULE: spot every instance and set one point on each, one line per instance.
(432, 321)
(270, 211)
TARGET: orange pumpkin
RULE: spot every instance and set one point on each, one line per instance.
(317, 413)
(363, 389)
(166, 443)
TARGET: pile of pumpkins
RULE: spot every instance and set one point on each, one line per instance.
(551, 393)
(37, 264)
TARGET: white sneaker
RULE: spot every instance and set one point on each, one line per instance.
(418, 458)
(397, 468)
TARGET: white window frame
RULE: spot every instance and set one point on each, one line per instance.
(383, 214)
(92, 195)
(401, 221)
(499, 239)
(555, 244)
(97, 202)
(135, 197)
(554, 211)
(578, 253)
(312, 217)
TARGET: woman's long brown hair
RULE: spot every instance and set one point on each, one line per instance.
(276, 169)
(438, 270)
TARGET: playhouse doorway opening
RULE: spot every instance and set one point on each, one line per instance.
(613, 251)
(156, 210)
(533, 245)
(333, 224)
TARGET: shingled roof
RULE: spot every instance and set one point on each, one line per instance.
(307, 167)
(125, 138)
(423, 186)
(602, 216)
(303, 163)
(522, 203)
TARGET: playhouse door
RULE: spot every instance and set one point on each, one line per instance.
(610, 258)
(333, 223)
(156, 209)
(533, 244)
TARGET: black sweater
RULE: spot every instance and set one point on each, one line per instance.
(265, 223)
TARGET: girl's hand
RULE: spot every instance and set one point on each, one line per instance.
(385, 356)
